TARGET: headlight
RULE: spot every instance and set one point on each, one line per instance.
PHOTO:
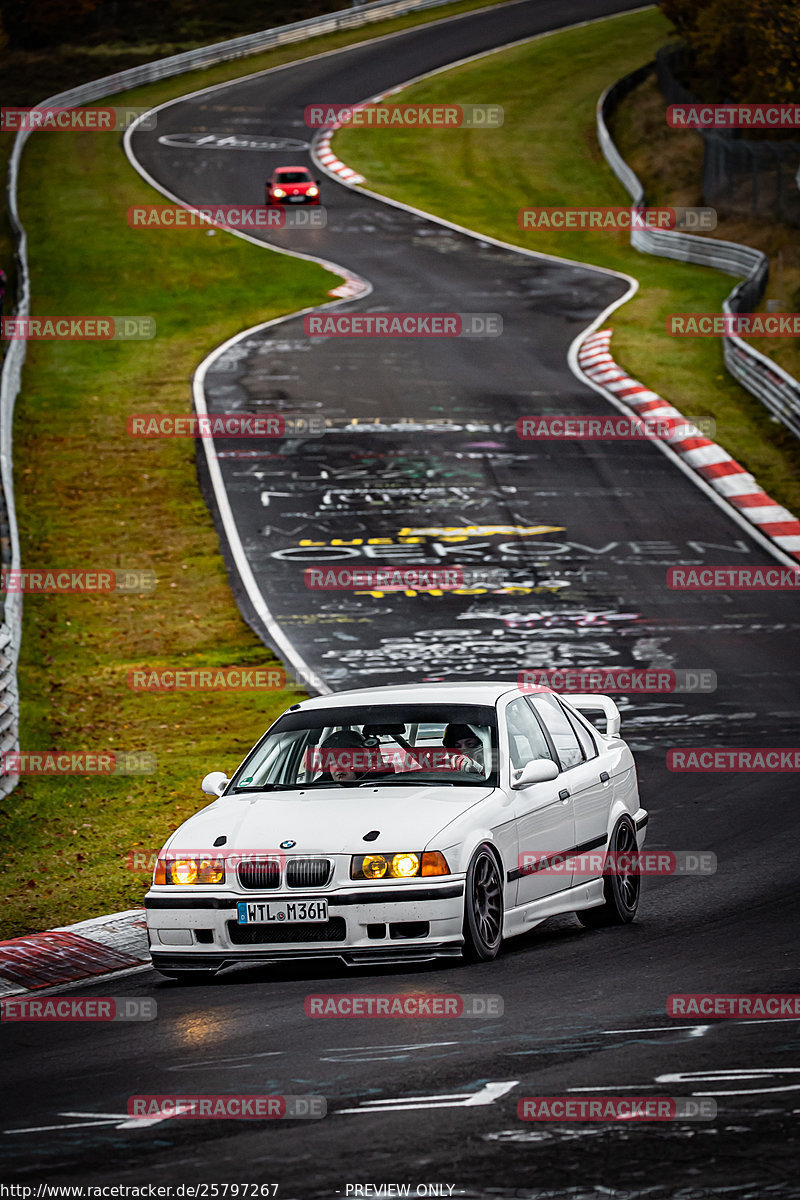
(278, 192)
(404, 866)
(189, 870)
(400, 864)
(312, 192)
(369, 866)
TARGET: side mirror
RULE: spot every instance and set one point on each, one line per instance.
(215, 783)
(539, 771)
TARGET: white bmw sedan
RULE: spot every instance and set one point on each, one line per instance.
(399, 824)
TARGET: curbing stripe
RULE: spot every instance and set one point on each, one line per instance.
(732, 483)
(73, 952)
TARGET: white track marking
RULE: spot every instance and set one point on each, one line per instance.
(693, 1030)
(487, 1095)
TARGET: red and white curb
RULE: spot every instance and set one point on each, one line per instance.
(713, 464)
(331, 162)
(100, 946)
(352, 287)
(321, 149)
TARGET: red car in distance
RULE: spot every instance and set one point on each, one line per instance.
(292, 185)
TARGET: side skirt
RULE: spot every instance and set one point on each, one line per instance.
(585, 895)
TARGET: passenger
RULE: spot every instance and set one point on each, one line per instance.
(465, 749)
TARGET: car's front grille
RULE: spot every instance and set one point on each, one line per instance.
(334, 930)
(307, 872)
(261, 874)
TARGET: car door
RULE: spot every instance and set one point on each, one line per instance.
(590, 786)
(542, 811)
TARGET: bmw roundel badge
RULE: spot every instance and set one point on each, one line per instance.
(287, 845)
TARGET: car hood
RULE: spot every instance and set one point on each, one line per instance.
(329, 820)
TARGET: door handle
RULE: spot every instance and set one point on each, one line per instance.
(604, 776)
(564, 795)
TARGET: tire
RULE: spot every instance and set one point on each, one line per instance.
(621, 892)
(483, 907)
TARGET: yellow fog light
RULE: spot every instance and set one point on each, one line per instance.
(211, 871)
(374, 866)
(184, 870)
(405, 865)
(197, 870)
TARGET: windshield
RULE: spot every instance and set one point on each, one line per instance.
(292, 177)
(409, 744)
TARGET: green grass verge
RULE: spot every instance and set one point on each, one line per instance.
(546, 153)
(90, 496)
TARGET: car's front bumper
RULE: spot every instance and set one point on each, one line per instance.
(400, 923)
(291, 201)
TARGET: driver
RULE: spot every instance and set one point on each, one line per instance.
(360, 757)
(465, 749)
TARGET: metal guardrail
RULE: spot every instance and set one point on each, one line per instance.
(775, 388)
(11, 377)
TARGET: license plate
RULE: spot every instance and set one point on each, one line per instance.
(274, 912)
(296, 199)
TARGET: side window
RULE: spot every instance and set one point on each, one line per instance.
(584, 737)
(525, 735)
(561, 731)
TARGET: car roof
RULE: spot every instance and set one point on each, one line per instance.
(292, 167)
(470, 692)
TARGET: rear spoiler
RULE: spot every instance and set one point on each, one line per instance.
(589, 702)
